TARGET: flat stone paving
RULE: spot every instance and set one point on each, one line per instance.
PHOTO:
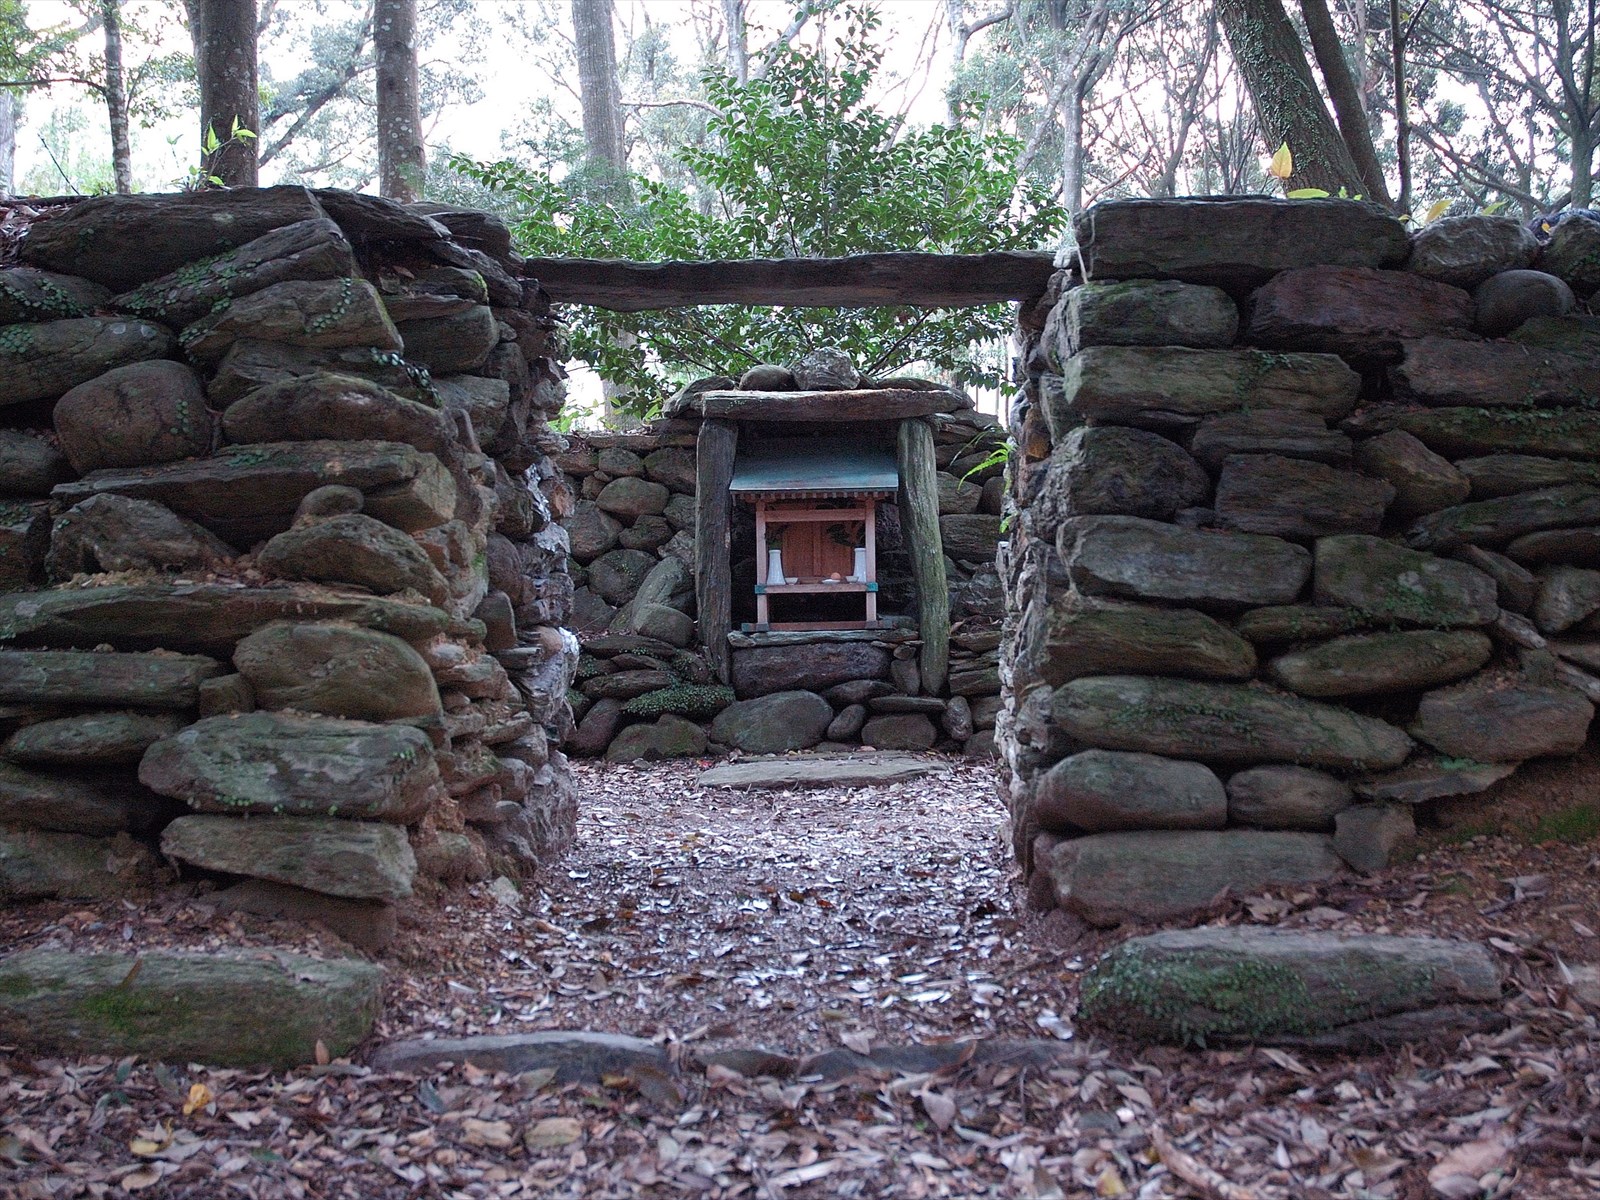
(823, 770)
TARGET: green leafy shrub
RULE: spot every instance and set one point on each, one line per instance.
(694, 700)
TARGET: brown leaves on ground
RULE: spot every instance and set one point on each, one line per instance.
(809, 920)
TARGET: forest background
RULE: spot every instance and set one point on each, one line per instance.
(656, 129)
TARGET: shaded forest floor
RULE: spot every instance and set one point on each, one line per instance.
(804, 921)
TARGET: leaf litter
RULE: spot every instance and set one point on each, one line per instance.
(807, 921)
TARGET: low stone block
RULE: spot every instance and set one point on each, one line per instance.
(37, 864)
(1359, 313)
(134, 416)
(1498, 720)
(103, 679)
(44, 361)
(1102, 790)
(1389, 582)
(1284, 797)
(361, 860)
(1373, 663)
(773, 724)
(1291, 497)
(767, 669)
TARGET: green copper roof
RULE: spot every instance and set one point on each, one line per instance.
(815, 465)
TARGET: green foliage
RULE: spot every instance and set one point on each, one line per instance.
(686, 700)
(797, 163)
(1574, 824)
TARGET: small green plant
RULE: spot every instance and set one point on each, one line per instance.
(199, 179)
(1571, 825)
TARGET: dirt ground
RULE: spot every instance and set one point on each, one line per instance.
(804, 921)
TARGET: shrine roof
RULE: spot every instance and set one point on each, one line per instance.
(816, 465)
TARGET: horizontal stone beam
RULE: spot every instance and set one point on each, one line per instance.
(857, 281)
(864, 404)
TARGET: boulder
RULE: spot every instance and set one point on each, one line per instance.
(1122, 383)
(28, 295)
(616, 575)
(972, 537)
(353, 548)
(957, 719)
(1142, 312)
(1292, 497)
(318, 315)
(1443, 371)
(338, 670)
(250, 364)
(161, 681)
(251, 492)
(631, 497)
(1516, 584)
(1081, 635)
(847, 725)
(452, 342)
(1219, 985)
(1390, 583)
(1462, 432)
(286, 763)
(1567, 595)
(115, 533)
(29, 465)
(268, 1009)
(1509, 474)
(96, 739)
(670, 736)
(825, 369)
(134, 416)
(957, 496)
(1573, 251)
(766, 669)
(899, 731)
(362, 860)
(763, 377)
(98, 804)
(1298, 623)
(1432, 779)
(1557, 546)
(1284, 797)
(38, 864)
(24, 544)
(1423, 481)
(1499, 720)
(124, 240)
(673, 466)
(1372, 836)
(648, 532)
(1506, 302)
(597, 728)
(664, 624)
(592, 530)
(42, 362)
(1234, 242)
(930, 706)
(1359, 313)
(314, 407)
(1110, 470)
(1372, 663)
(1138, 559)
(773, 724)
(1281, 431)
(1222, 722)
(485, 403)
(856, 691)
(368, 925)
(1102, 790)
(1507, 517)
(1465, 251)
(1156, 875)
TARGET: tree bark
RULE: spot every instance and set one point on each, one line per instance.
(1273, 65)
(224, 33)
(919, 518)
(10, 110)
(738, 41)
(1402, 107)
(1346, 97)
(117, 98)
(402, 158)
(595, 37)
(713, 540)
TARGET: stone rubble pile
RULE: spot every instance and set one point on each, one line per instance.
(281, 586)
(1308, 513)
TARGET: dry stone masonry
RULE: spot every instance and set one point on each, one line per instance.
(1306, 533)
(282, 586)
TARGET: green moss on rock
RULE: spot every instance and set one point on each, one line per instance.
(684, 700)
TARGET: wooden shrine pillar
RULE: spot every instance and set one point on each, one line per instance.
(919, 518)
(713, 539)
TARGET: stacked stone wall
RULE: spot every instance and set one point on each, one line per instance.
(281, 590)
(1307, 535)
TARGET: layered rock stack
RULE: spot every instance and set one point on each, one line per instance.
(643, 691)
(1308, 534)
(281, 588)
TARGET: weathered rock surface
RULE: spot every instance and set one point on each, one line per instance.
(252, 363)
(1573, 251)
(37, 864)
(1423, 481)
(616, 575)
(1508, 474)
(1507, 517)
(631, 497)
(1155, 875)
(1567, 595)
(362, 860)
(1446, 371)
(1142, 312)
(970, 538)
(29, 465)
(366, 924)
(826, 368)
(593, 531)
(1432, 779)
(1134, 558)
(42, 362)
(1116, 383)
(1219, 722)
(281, 763)
(1390, 583)
(899, 731)
(1219, 985)
(356, 549)
(457, 342)
(27, 295)
(1103, 790)
(334, 406)
(669, 736)
(251, 492)
(1557, 546)
(1281, 431)
(101, 679)
(1509, 300)
(485, 402)
(957, 495)
(99, 739)
(1081, 635)
(319, 315)
(115, 533)
(86, 804)
(575, 1057)
(1464, 251)
(1291, 497)
(1498, 720)
(268, 1009)
(1362, 314)
(1372, 837)
(1517, 585)
(773, 724)
(1110, 470)
(847, 725)
(820, 770)
(766, 669)
(1284, 797)
(1372, 663)
(338, 670)
(1461, 432)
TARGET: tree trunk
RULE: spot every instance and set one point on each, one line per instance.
(738, 40)
(1582, 139)
(117, 98)
(10, 110)
(1072, 151)
(224, 34)
(1346, 96)
(402, 158)
(713, 540)
(595, 37)
(1402, 107)
(1273, 65)
(919, 519)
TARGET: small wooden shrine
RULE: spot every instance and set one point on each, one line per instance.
(816, 513)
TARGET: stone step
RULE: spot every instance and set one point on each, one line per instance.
(823, 770)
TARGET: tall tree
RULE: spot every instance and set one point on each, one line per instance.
(1351, 114)
(738, 40)
(224, 33)
(10, 112)
(594, 35)
(402, 158)
(116, 91)
(1284, 92)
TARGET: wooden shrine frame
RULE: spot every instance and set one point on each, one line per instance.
(767, 512)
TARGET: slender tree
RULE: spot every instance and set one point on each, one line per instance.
(593, 25)
(402, 158)
(116, 91)
(224, 33)
(10, 110)
(1346, 96)
(738, 40)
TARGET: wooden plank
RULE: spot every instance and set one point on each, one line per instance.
(855, 281)
(862, 404)
(919, 517)
(713, 540)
